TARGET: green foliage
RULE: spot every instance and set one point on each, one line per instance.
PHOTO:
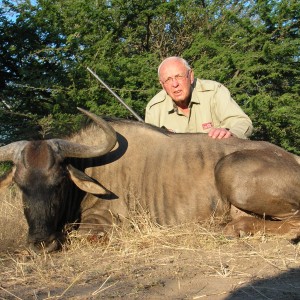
(61, 124)
(276, 121)
(5, 167)
(250, 46)
(257, 58)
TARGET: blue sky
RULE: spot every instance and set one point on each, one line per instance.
(12, 16)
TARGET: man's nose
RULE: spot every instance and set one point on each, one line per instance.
(175, 82)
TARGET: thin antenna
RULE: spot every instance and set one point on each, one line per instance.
(115, 95)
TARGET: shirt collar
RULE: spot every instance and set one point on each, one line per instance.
(195, 96)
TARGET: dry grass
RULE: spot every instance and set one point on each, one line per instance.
(12, 222)
(145, 261)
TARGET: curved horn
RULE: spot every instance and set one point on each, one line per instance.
(70, 149)
(11, 151)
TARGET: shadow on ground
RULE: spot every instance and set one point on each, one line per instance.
(283, 286)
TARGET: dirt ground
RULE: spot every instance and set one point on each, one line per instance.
(192, 261)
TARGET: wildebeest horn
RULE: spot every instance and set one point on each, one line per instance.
(10, 152)
(70, 149)
(65, 148)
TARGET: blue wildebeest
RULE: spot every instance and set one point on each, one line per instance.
(100, 174)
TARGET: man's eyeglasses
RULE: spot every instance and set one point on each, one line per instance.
(178, 77)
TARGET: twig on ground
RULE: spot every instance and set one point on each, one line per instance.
(8, 292)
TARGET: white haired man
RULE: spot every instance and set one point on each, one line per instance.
(187, 104)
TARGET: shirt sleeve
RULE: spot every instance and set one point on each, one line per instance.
(230, 115)
(153, 110)
(150, 116)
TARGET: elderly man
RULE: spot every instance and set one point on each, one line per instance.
(187, 104)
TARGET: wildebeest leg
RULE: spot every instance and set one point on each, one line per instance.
(262, 183)
(98, 217)
(248, 225)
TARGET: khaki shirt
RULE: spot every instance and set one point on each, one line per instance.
(211, 106)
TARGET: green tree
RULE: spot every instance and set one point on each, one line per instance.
(254, 50)
(250, 46)
(34, 79)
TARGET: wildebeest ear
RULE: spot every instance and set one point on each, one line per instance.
(7, 178)
(86, 183)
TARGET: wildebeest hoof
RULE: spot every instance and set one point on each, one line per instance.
(240, 228)
(97, 238)
(42, 247)
(295, 240)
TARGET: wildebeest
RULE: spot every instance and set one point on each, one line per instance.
(119, 165)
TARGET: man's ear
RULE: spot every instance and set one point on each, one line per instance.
(162, 85)
(192, 76)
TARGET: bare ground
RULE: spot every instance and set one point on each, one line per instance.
(192, 261)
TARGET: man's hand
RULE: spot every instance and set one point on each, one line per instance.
(219, 133)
